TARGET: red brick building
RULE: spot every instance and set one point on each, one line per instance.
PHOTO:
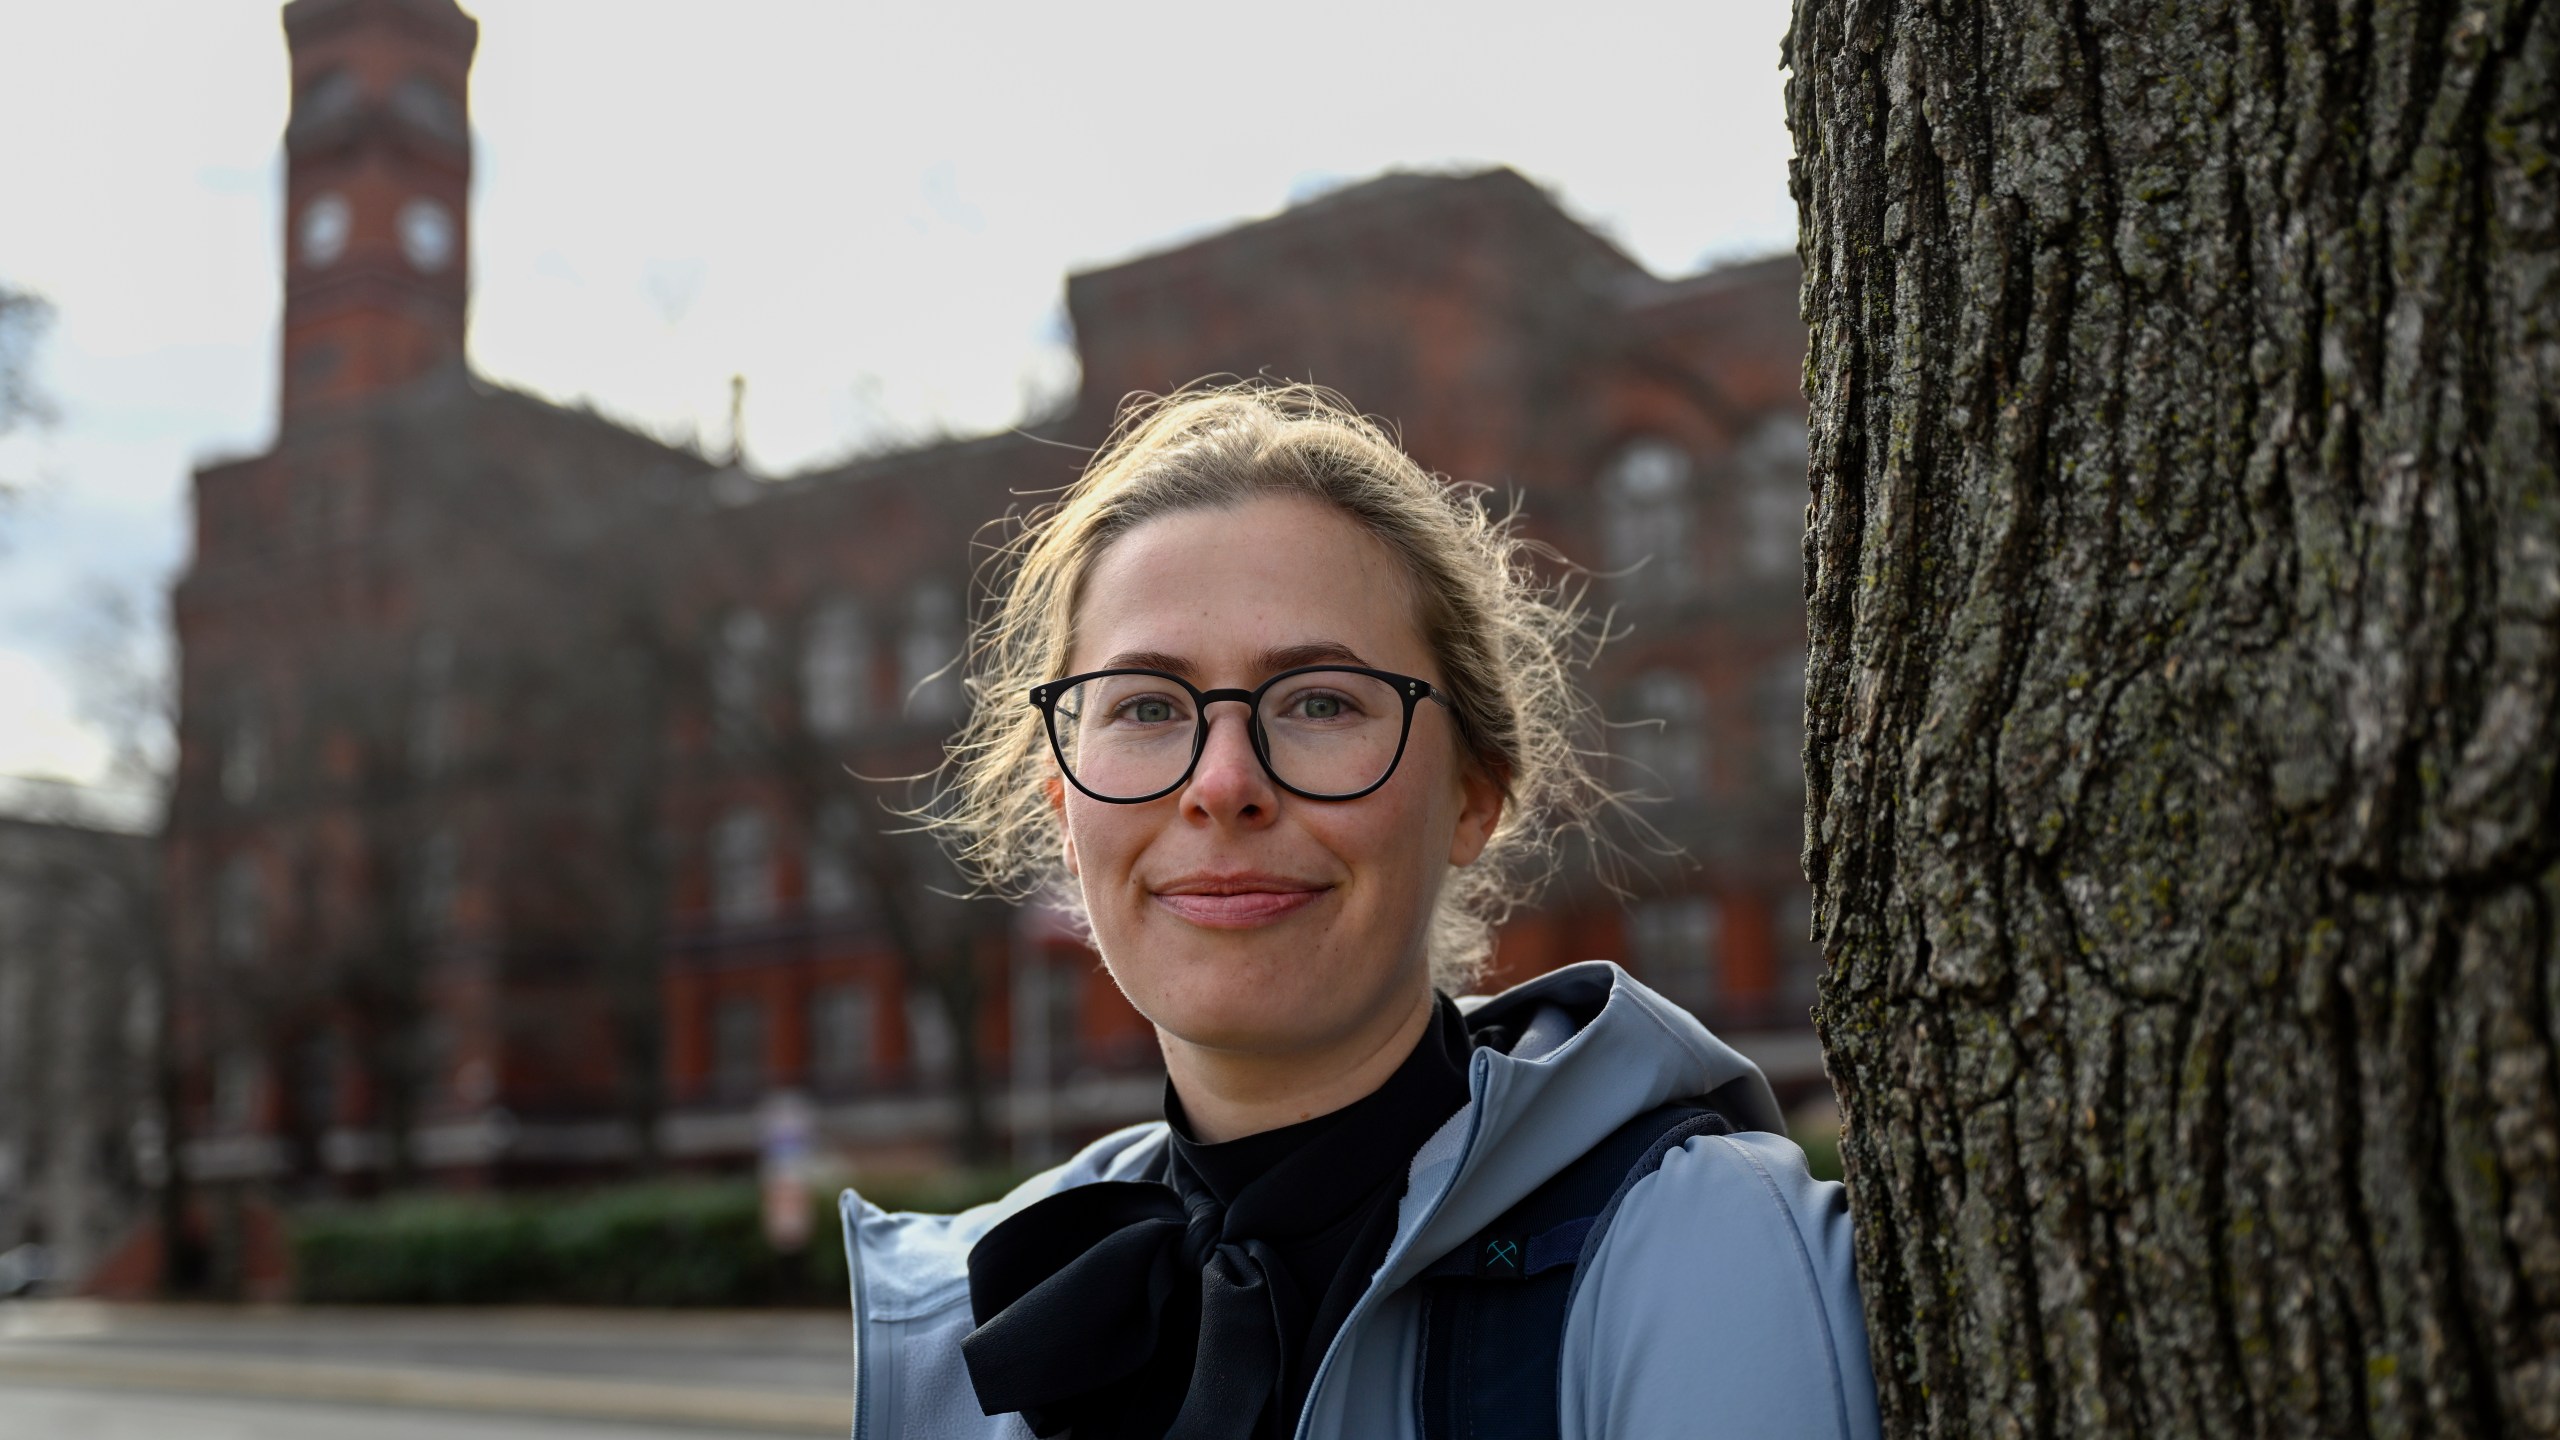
(514, 832)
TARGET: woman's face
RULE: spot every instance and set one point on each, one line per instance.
(1324, 919)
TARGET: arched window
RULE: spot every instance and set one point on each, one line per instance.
(1782, 717)
(1645, 500)
(244, 753)
(1667, 745)
(840, 1036)
(239, 913)
(431, 710)
(438, 1049)
(737, 1046)
(330, 98)
(835, 670)
(929, 652)
(931, 1049)
(1673, 944)
(239, 1089)
(835, 887)
(315, 1092)
(742, 868)
(438, 881)
(737, 673)
(1799, 955)
(1769, 474)
(431, 107)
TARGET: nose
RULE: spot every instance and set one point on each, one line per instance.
(1229, 785)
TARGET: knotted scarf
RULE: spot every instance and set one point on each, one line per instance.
(1196, 1306)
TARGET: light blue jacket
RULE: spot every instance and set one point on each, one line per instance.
(1720, 1303)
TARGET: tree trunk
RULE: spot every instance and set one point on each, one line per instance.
(2184, 578)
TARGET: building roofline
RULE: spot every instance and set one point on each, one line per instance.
(442, 387)
(1715, 280)
(1396, 189)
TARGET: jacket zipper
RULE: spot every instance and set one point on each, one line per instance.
(853, 1278)
(1360, 1309)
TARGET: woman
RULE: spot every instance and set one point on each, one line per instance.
(1285, 718)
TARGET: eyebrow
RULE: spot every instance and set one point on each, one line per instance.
(1269, 662)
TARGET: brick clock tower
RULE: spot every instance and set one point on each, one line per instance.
(377, 188)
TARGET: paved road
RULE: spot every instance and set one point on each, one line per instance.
(441, 1372)
(44, 1413)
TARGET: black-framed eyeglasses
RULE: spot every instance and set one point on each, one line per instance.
(1322, 732)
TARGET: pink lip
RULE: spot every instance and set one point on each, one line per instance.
(1236, 902)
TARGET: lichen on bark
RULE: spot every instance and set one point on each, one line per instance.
(2183, 706)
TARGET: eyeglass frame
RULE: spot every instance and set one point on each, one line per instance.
(1412, 688)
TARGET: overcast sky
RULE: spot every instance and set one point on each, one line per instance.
(867, 210)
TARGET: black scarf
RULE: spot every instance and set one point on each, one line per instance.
(1196, 1307)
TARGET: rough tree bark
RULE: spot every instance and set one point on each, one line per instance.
(2184, 574)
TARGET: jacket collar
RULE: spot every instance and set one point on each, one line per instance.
(1597, 1049)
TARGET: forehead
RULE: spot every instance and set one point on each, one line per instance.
(1215, 586)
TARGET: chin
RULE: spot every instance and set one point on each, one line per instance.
(1230, 990)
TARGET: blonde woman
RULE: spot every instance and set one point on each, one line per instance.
(1288, 721)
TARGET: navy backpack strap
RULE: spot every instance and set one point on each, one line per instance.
(1494, 1309)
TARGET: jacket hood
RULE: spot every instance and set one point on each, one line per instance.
(1595, 1049)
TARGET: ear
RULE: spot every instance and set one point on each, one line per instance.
(1056, 791)
(1479, 811)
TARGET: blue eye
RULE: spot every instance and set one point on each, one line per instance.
(1319, 704)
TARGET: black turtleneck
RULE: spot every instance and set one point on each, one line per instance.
(1198, 1305)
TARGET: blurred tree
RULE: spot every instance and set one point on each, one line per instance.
(125, 692)
(603, 652)
(2184, 706)
(24, 318)
(82, 1141)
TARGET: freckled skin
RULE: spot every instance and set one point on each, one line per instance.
(1268, 1025)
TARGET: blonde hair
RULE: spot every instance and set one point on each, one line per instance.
(1508, 641)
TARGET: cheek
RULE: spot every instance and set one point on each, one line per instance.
(1391, 841)
(1100, 839)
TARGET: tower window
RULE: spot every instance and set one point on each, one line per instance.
(332, 96)
(426, 235)
(431, 108)
(326, 224)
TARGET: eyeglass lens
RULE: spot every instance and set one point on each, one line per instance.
(1326, 732)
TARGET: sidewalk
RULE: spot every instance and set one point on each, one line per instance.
(773, 1372)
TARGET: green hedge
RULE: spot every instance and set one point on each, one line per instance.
(698, 1243)
(1821, 1151)
(677, 1243)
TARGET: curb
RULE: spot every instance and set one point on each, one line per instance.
(425, 1389)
